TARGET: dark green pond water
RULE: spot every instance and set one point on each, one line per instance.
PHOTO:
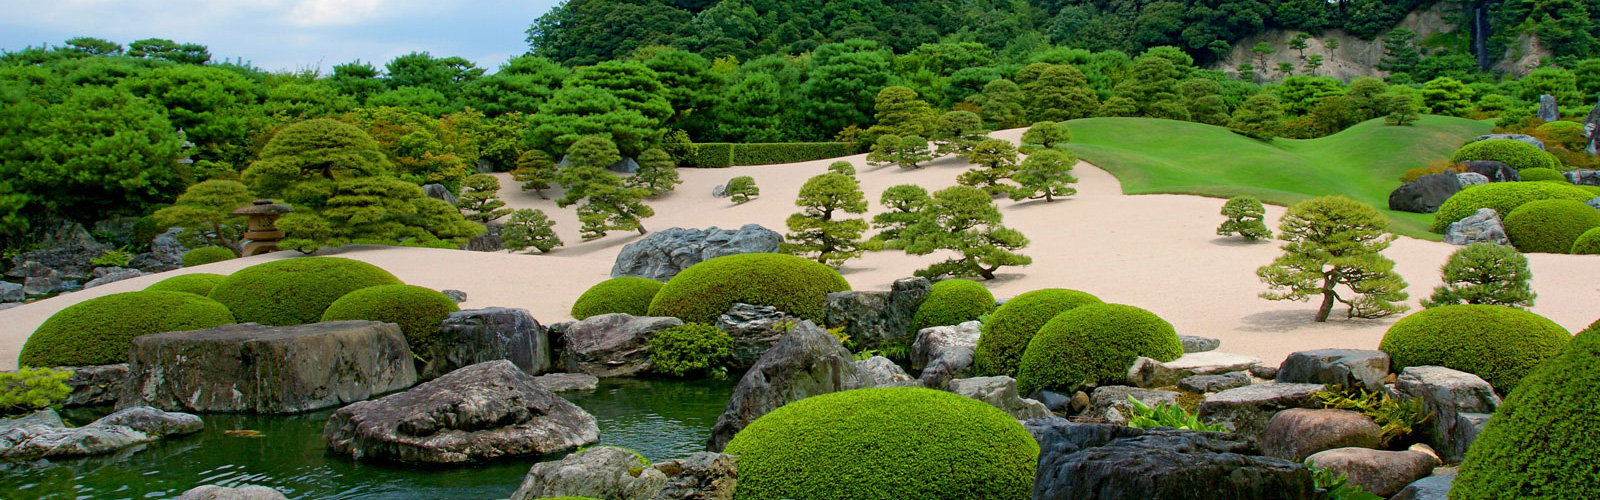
(661, 419)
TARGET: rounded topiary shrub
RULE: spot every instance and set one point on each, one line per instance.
(899, 443)
(1008, 331)
(689, 348)
(417, 310)
(952, 302)
(1519, 155)
(1497, 343)
(627, 295)
(1503, 197)
(1550, 226)
(1588, 243)
(1094, 343)
(206, 255)
(198, 283)
(1542, 444)
(295, 291)
(791, 284)
(100, 331)
(1542, 174)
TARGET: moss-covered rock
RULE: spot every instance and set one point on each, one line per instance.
(1550, 226)
(206, 255)
(198, 283)
(627, 295)
(1008, 331)
(791, 284)
(952, 302)
(1094, 343)
(1519, 155)
(100, 331)
(1497, 343)
(417, 310)
(295, 291)
(1503, 197)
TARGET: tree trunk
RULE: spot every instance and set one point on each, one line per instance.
(642, 230)
(987, 274)
(1328, 298)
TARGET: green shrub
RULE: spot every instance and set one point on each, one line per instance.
(689, 348)
(1007, 332)
(722, 154)
(207, 255)
(1550, 226)
(711, 155)
(1503, 197)
(952, 302)
(100, 331)
(31, 389)
(627, 295)
(1497, 343)
(1519, 155)
(1094, 343)
(417, 310)
(198, 283)
(1246, 218)
(1566, 134)
(112, 258)
(295, 291)
(792, 284)
(1541, 443)
(1588, 243)
(882, 444)
(1542, 174)
(1484, 273)
(742, 188)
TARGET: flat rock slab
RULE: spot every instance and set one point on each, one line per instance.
(1247, 409)
(252, 368)
(1000, 392)
(568, 382)
(1382, 473)
(1149, 373)
(1201, 384)
(1350, 368)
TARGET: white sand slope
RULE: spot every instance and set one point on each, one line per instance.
(1158, 252)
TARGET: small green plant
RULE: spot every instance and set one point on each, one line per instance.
(1398, 417)
(867, 354)
(1245, 218)
(742, 188)
(113, 258)
(1338, 486)
(690, 348)
(1164, 415)
(30, 389)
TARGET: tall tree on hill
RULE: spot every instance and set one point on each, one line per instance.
(1001, 103)
(900, 112)
(575, 112)
(1060, 93)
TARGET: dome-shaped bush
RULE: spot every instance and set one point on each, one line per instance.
(1497, 343)
(899, 443)
(198, 283)
(1588, 243)
(295, 291)
(952, 302)
(1542, 443)
(1006, 334)
(704, 291)
(1550, 226)
(100, 331)
(417, 310)
(1094, 343)
(206, 255)
(1519, 155)
(628, 295)
(1503, 197)
(1542, 175)
(1563, 133)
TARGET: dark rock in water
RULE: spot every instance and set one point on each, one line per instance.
(484, 411)
(612, 345)
(601, 472)
(1548, 110)
(1112, 462)
(1527, 139)
(1424, 195)
(1583, 177)
(251, 368)
(1494, 170)
(112, 275)
(214, 492)
(807, 362)
(439, 192)
(876, 320)
(1459, 401)
(944, 353)
(663, 254)
(754, 329)
(1247, 409)
(1482, 226)
(96, 385)
(474, 336)
(1382, 473)
(1350, 368)
(1297, 433)
(568, 382)
(702, 476)
(1428, 488)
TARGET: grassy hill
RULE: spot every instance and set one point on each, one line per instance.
(1363, 162)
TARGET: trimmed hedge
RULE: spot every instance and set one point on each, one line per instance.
(627, 295)
(1542, 175)
(1550, 226)
(295, 291)
(1008, 331)
(1497, 343)
(1519, 155)
(1503, 197)
(689, 348)
(206, 255)
(792, 284)
(198, 283)
(1541, 443)
(722, 154)
(1588, 243)
(100, 331)
(1094, 343)
(890, 443)
(417, 310)
(952, 302)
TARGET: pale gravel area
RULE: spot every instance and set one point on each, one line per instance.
(1158, 252)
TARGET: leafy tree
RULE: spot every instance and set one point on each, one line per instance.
(423, 100)
(1447, 96)
(842, 82)
(634, 83)
(520, 86)
(529, 228)
(1245, 218)
(815, 233)
(423, 149)
(996, 160)
(1401, 108)
(1247, 72)
(216, 108)
(535, 171)
(901, 113)
(575, 112)
(1045, 174)
(1335, 241)
(480, 198)
(902, 205)
(1000, 103)
(581, 32)
(445, 75)
(689, 86)
(1119, 106)
(1045, 135)
(205, 210)
(1484, 273)
(754, 111)
(1203, 98)
(956, 132)
(1299, 93)
(1060, 93)
(1152, 86)
(304, 101)
(965, 220)
(168, 50)
(657, 173)
(742, 188)
(1260, 116)
(94, 46)
(1557, 82)
(356, 79)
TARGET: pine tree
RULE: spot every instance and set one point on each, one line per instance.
(1247, 72)
(608, 204)
(529, 228)
(535, 171)
(1245, 218)
(1045, 174)
(843, 168)
(480, 198)
(1298, 44)
(1262, 50)
(1260, 116)
(1045, 135)
(912, 152)
(1313, 63)
(1484, 273)
(965, 220)
(902, 205)
(1402, 109)
(614, 208)
(1335, 241)
(884, 151)
(1060, 92)
(657, 173)
(996, 160)
(956, 132)
(742, 188)
(815, 232)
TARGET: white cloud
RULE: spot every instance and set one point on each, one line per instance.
(318, 13)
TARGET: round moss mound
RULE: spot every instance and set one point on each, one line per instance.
(627, 295)
(1542, 175)
(198, 283)
(417, 310)
(1497, 343)
(206, 255)
(1094, 343)
(295, 291)
(791, 284)
(1519, 155)
(952, 302)
(900, 443)
(1542, 444)
(1008, 331)
(100, 331)
(1550, 226)
(1503, 197)
(1588, 243)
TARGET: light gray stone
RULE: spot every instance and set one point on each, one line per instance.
(1482, 226)
(1382, 473)
(214, 492)
(1471, 179)
(11, 292)
(754, 329)
(457, 296)
(1111, 402)
(1194, 344)
(879, 371)
(702, 476)
(1297, 433)
(807, 362)
(113, 277)
(663, 254)
(944, 353)
(439, 192)
(1149, 373)
(474, 336)
(601, 472)
(46, 438)
(46, 418)
(877, 320)
(613, 345)
(568, 382)
(999, 392)
(1459, 401)
(1523, 138)
(1202, 384)
(152, 421)
(1350, 368)
(1247, 410)
(1583, 177)
(43, 285)
(1549, 111)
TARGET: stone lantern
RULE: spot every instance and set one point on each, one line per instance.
(260, 235)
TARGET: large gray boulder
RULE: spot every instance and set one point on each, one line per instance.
(11, 292)
(1461, 404)
(944, 353)
(111, 275)
(43, 285)
(1548, 110)
(999, 392)
(166, 253)
(1247, 410)
(484, 411)
(214, 492)
(252, 368)
(878, 371)
(439, 192)
(1382, 473)
(612, 345)
(68, 248)
(1350, 368)
(1495, 171)
(1112, 462)
(1583, 177)
(1149, 373)
(1471, 179)
(875, 320)
(42, 434)
(754, 329)
(1425, 194)
(96, 385)
(1483, 226)
(807, 362)
(1297, 433)
(702, 476)
(1527, 139)
(601, 472)
(1428, 488)
(663, 254)
(474, 336)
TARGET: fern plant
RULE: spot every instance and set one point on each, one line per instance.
(1338, 487)
(1164, 415)
(1397, 417)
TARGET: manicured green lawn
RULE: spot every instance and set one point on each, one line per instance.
(1364, 162)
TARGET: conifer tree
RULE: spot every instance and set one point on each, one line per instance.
(1484, 273)
(480, 198)
(1045, 174)
(529, 228)
(1260, 116)
(657, 173)
(608, 204)
(884, 151)
(1335, 241)
(965, 220)
(843, 167)
(996, 160)
(742, 188)
(956, 132)
(1245, 218)
(817, 231)
(535, 171)
(1045, 135)
(902, 205)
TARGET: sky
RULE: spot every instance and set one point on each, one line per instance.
(287, 34)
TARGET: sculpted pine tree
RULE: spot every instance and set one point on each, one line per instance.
(996, 160)
(1245, 218)
(843, 167)
(535, 171)
(900, 112)
(657, 172)
(206, 211)
(1402, 108)
(529, 228)
(1045, 174)
(816, 231)
(912, 152)
(1045, 135)
(1260, 116)
(884, 151)
(742, 188)
(587, 160)
(1335, 241)
(480, 199)
(965, 220)
(1484, 273)
(956, 132)
(903, 206)
(1060, 92)
(608, 204)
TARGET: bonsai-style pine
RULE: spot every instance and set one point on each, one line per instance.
(1045, 174)
(1245, 218)
(843, 168)
(1336, 241)
(206, 211)
(902, 205)
(1045, 135)
(964, 219)
(480, 198)
(1484, 273)
(900, 112)
(657, 172)
(907, 152)
(742, 188)
(535, 171)
(608, 205)
(815, 233)
(529, 228)
(956, 132)
(1402, 109)
(997, 160)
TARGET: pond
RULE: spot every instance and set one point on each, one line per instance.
(661, 419)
